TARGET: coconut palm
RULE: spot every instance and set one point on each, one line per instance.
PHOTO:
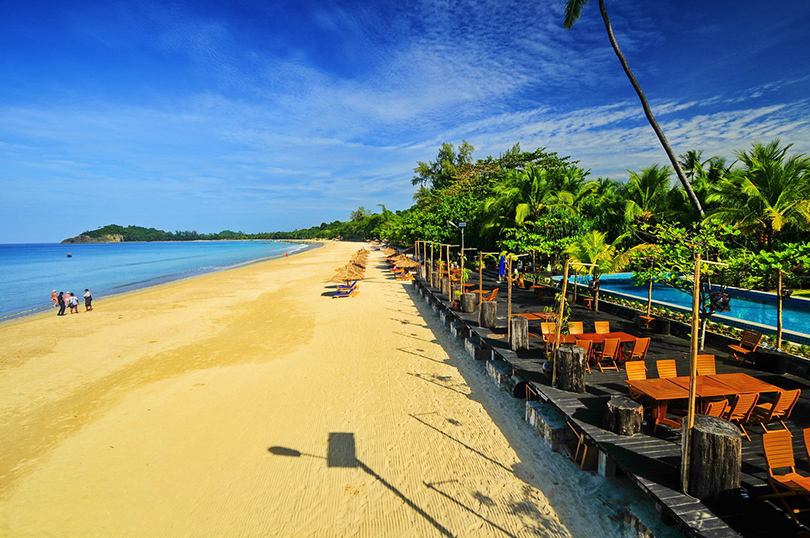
(770, 194)
(649, 194)
(573, 9)
(525, 194)
(593, 248)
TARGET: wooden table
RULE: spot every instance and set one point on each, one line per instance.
(662, 391)
(537, 316)
(596, 338)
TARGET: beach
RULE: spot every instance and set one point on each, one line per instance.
(248, 402)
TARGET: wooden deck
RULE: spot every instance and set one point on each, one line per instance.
(650, 460)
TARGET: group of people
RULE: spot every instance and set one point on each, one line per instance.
(68, 299)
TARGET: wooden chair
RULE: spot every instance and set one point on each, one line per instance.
(575, 327)
(582, 452)
(601, 327)
(666, 368)
(609, 351)
(491, 296)
(548, 329)
(778, 447)
(636, 370)
(749, 342)
(639, 351)
(715, 408)
(706, 365)
(741, 409)
(587, 345)
(779, 410)
(806, 433)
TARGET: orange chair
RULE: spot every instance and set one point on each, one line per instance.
(706, 365)
(741, 409)
(779, 410)
(548, 329)
(640, 348)
(636, 370)
(575, 327)
(587, 345)
(609, 351)
(749, 342)
(715, 408)
(666, 368)
(806, 433)
(601, 327)
(778, 447)
(491, 296)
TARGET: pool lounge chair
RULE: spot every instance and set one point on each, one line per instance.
(782, 475)
(347, 292)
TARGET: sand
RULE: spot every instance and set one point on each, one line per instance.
(250, 403)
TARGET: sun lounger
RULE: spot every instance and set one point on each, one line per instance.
(350, 292)
(778, 447)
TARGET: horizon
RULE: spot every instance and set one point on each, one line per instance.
(274, 117)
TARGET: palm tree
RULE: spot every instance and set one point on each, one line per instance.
(525, 194)
(592, 248)
(648, 194)
(573, 10)
(771, 193)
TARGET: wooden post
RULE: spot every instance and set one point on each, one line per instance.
(693, 350)
(623, 416)
(559, 320)
(480, 284)
(717, 453)
(519, 333)
(489, 314)
(468, 302)
(571, 369)
(509, 298)
(779, 310)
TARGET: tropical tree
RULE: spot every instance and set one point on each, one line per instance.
(770, 194)
(593, 248)
(445, 169)
(573, 9)
(648, 194)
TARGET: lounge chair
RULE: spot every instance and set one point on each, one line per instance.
(349, 292)
(666, 368)
(601, 327)
(778, 447)
(749, 342)
(639, 351)
(706, 365)
(608, 354)
(779, 410)
(741, 409)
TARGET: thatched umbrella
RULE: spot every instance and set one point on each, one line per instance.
(407, 263)
(388, 251)
(345, 274)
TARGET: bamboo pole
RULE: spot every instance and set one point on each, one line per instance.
(480, 284)
(508, 297)
(559, 322)
(779, 310)
(693, 350)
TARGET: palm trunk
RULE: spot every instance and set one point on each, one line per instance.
(648, 112)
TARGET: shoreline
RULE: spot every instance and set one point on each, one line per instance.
(249, 402)
(157, 281)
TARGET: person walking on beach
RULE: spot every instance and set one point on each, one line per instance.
(61, 301)
(54, 299)
(73, 301)
(88, 301)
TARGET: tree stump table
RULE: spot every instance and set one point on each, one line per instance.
(518, 333)
(716, 459)
(571, 368)
(468, 302)
(623, 416)
(489, 314)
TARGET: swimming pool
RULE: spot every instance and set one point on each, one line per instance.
(748, 308)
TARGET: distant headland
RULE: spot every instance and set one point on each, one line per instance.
(357, 229)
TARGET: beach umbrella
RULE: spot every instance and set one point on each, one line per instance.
(345, 275)
(407, 263)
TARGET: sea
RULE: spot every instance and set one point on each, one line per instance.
(30, 271)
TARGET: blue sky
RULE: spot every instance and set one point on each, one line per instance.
(275, 115)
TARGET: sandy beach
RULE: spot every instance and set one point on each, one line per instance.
(250, 403)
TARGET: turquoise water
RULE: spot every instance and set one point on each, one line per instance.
(31, 271)
(745, 306)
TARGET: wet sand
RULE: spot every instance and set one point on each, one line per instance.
(250, 403)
